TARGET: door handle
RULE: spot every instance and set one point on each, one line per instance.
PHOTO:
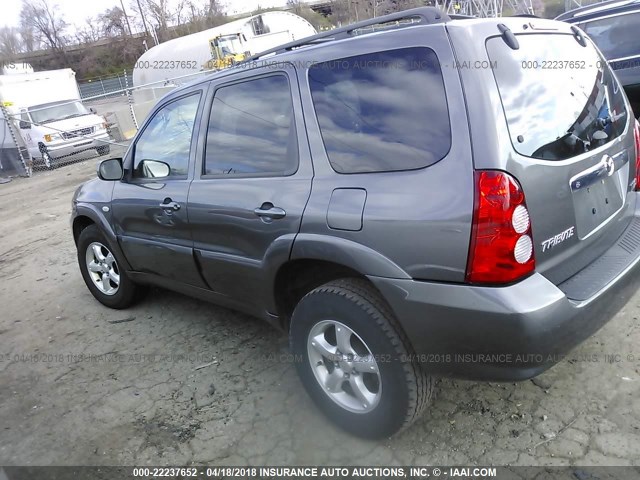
(268, 210)
(169, 204)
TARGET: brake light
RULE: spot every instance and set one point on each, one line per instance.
(501, 249)
(636, 132)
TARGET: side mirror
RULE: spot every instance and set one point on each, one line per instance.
(154, 169)
(24, 125)
(110, 170)
(93, 110)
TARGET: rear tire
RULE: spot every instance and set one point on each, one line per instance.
(101, 272)
(382, 391)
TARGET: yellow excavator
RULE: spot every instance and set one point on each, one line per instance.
(226, 50)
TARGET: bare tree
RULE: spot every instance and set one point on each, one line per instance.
(10, 42)
(196, 15)
(90, 32)
(156, 13)
(342, 12)
(295, 6)
(29, 41)
(179, 11)
(113, 22)
(215, 9)
(45, 23)
(347, 11)
(159, 11)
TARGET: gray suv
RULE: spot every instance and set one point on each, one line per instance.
(408, 197)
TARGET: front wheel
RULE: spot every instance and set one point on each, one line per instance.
(106, 281)
(355, 361)
(46, 159)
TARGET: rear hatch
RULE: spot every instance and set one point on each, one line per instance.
(571, 143)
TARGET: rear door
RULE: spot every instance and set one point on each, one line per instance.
(252, 183)
(570, 130)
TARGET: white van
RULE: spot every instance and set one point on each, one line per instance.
(57, 130)
(52, 120)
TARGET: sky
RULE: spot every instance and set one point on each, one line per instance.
(77, 11)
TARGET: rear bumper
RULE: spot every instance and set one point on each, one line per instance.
(508, 333)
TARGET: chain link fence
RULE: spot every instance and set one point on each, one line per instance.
(105, 120)
(107, 87)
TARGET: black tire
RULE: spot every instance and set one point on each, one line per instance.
(127, 292)
(104, 150)
(405, 389)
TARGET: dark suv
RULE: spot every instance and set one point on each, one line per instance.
(614, 27)
(408, 197)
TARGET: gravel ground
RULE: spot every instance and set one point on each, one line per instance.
(175, 380)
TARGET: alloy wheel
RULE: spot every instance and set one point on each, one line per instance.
(102, 268)
(344, 366)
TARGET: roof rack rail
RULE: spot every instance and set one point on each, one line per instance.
(426, 15)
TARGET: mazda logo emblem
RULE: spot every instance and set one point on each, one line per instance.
(609, 165)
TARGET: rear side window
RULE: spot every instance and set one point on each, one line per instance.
(559, 99)
(616, 37)
(382, 112)
(251, 130)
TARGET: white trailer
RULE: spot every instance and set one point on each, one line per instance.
(50, 116)
(173, 62)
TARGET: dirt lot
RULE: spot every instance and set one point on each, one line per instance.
(81, 384)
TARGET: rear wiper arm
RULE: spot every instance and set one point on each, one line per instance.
(608, 120)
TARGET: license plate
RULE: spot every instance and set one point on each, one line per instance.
(598, 192)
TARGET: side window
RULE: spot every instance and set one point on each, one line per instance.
(382, 112)
(616, 36)
(167, 138)
(251, 130)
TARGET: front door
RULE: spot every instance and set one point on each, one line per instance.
(150, 204)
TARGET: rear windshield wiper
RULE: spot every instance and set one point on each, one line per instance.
(602, 122)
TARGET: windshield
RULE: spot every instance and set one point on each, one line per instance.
(229, 45)
(560, 99)
(50, 112)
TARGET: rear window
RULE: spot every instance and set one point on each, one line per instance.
(559, 99)
(382, 112)
(616, 37)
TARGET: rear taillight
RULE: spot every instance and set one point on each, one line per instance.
(636, 132)
(501, 244)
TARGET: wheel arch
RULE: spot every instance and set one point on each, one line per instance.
(298, 277)
(79, 224)
(87, 215)
(318, 259)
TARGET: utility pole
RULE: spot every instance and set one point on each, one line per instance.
(126, 17)
(144, 22)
